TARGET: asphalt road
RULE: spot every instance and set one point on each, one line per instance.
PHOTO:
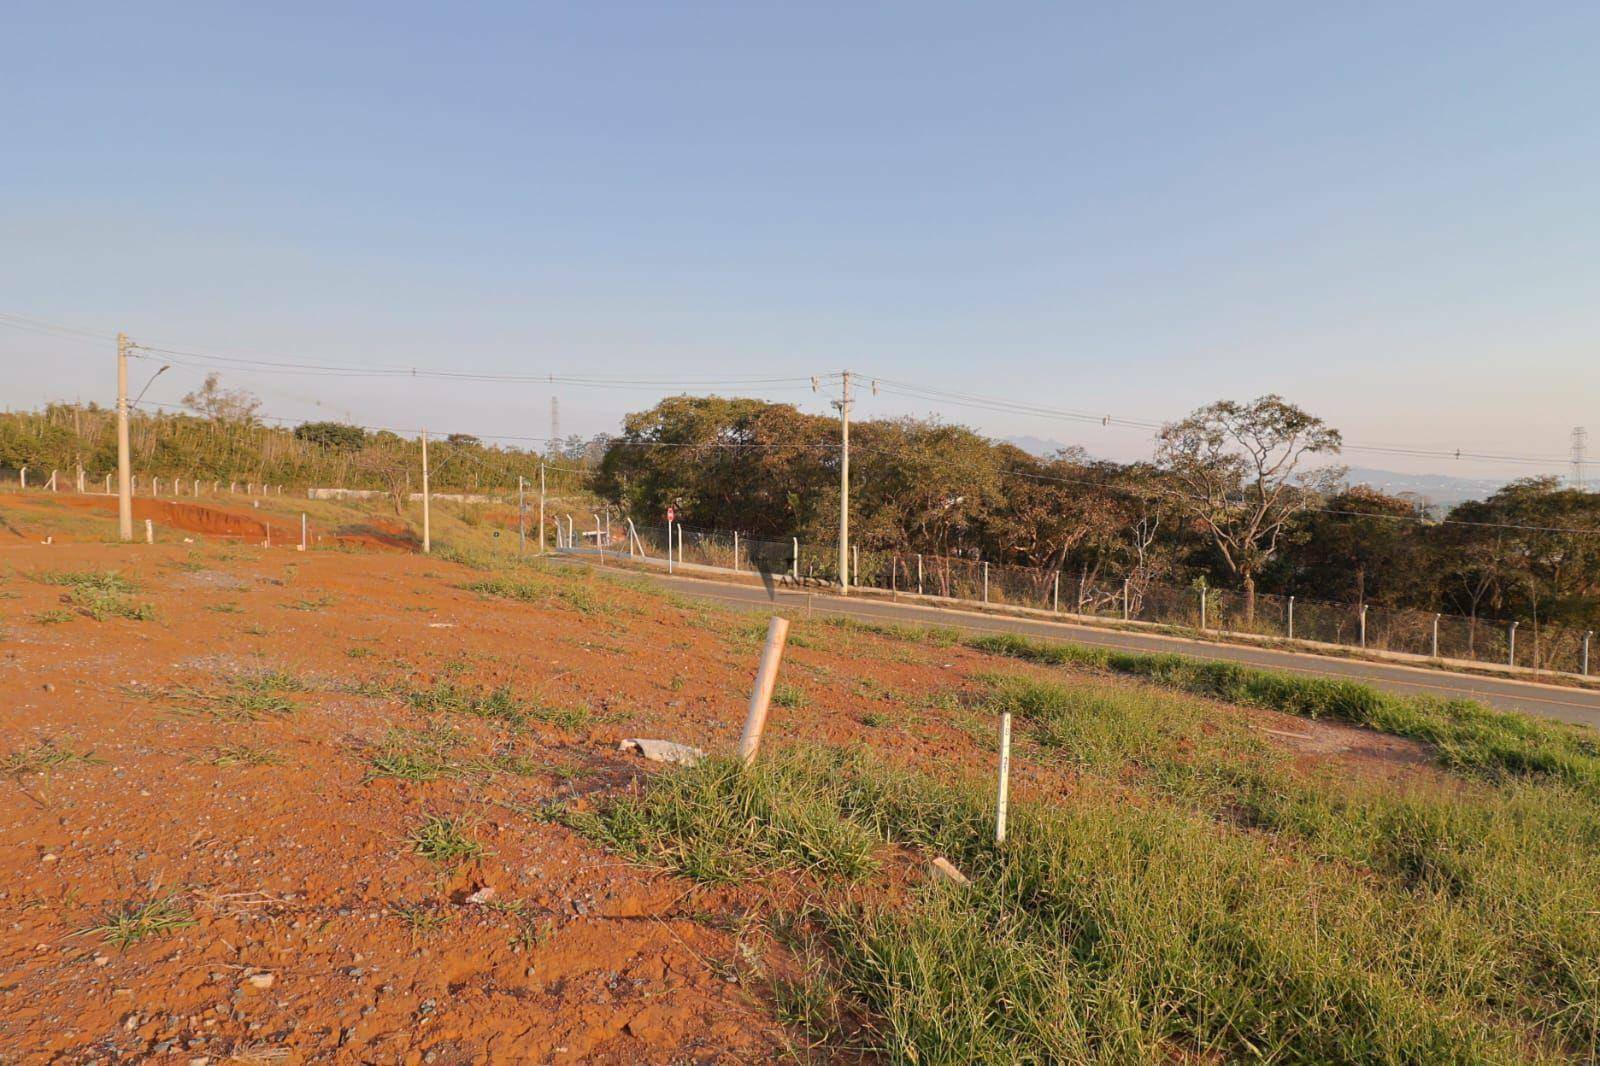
(1552, 701)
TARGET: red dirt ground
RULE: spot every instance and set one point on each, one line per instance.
(230, 522)
(299, 876)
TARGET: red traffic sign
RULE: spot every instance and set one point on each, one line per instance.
(672, 512)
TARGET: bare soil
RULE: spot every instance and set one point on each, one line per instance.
(318, 932)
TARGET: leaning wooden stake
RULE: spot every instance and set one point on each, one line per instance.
(1005, 779)
(766, 680)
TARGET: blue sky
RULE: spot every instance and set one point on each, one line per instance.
(1386, 214)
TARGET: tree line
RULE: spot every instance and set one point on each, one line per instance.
(1237, 495)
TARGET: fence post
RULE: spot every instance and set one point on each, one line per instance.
(736, 551)
(155, 487)
(766, 680)
(53, 487)
(680, 543)
(1202, 608)
(1436, 634)
(1291, 617)
(795, 565)
(1511, 646)
(1586, 637)
(919, 573)
(669, 545)
(108, 484)
(149, 531)
(80, 480)
(23, 475)
(855, 564)
(1363, 625)
(302, 531)
(985, 582)
(1004, 789)
(1055, 593)
(1125, 584)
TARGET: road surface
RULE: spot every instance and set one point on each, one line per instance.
(1553, 701)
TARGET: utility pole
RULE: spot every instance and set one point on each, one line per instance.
(124, 464)
(843, 404)
(522, 520)
(427, 538)
(541, 508)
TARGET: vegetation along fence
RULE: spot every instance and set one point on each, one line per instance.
(1131, 597)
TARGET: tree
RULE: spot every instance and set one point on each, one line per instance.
(1232, 470)
(1363, 545)
(335, 436)
(213, 401)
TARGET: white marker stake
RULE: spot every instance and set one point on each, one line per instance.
(1004, 796)
(149, 531)
(302, 531)
(766, 680)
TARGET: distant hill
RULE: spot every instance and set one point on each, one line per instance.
(1441, 490)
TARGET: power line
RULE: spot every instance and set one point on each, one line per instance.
(910, 390)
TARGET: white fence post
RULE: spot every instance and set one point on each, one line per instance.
(1202, 608)
(1291, 617)
(23, 477)
(149, 531)
(80, 480)
(736, 551)
(1125, 608)
(680, 543)
(1586, 637)
(1436, 617)
(1055, 593)
(302, 531)
(766, 681)
(1004, 790)
(1363, 625)
(855, 564)
(919, 573)
(108, 484)
(53, 482)
(795, 564)
(985, 582)
(1511, 646)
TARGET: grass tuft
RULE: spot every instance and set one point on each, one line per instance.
(445, 841)
(138, 921)
(44, 757)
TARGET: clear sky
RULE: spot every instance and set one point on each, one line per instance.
(1388, 213)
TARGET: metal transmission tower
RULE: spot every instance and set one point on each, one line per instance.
(1580, 445)
(555, 424)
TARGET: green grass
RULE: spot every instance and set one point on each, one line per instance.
(241, 755)
(53, 617)
(447, 697)
(138, 921)
(247, 698)
(417, 754)
(43, 758)
(548, 590)
(108, 581)
(99, 594)
(420, 918)
(1193, 896)
(790, 696)
(445, 841)
(720, 823)
(1467, 735)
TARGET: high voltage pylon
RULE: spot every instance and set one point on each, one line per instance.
(1580, 445)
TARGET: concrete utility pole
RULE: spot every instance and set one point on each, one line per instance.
(541, 508)
(427, 535)
(843, 404)
(522, 519)
(124, 467)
